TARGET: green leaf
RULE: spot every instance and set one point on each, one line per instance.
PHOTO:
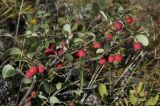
(34, 35)
(29, 17)
(54, 100)
(140, 100)
(26, 81)
(42, 97)
(152, 101)
(78, 40)
(48, 87)
(30, 55)
(121, 103)
(108, 2)
(100, 51)
(120, 8)
(91, 34)
(139, 7)
(117, 103)
(78, 92)
(143, 39)
(14, 51)
(28, 32)
(35, 28)
(126, 101)
(82, 62)
(7, 35)
(133, 99)
(142, 93)
(104, 15)
(59, 86)
(139, 88)
(69, 57)
(67, 28)
(102, 90)
(107, 47)
(75, 26)
(61, 21)
(8, 71)
(132, 92)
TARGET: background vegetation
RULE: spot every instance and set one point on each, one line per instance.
(28, 28)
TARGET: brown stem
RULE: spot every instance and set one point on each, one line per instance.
(27, 93)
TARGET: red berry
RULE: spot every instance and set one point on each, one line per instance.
(81, 53)
(28, 74)
(33, 70)
(128, 20)
(75, 55)
(118, 57)
(40, 68)
(59, 51)
(111, 58)
(118, 25)
(60, 65)
(137, 46)
(96, 45)
(49, 50)
(71, 104)
(102, 61)
(109, 36)
(33, 94)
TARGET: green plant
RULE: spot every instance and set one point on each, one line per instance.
(61, 59)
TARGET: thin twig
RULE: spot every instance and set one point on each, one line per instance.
(27, 93)
(127, 68)
(19, 16)
(18, 92)
(133, 72)
(129, 78)
(92, 59)
(93, 81)
(96, 76)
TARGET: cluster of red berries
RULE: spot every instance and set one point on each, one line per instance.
(34, 70)
(111, 59)
(82, 53)
(117, 57)
(97, 45)
(51, 50)
(118, 25)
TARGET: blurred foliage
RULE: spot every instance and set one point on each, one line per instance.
(71, 24)
(11, 8)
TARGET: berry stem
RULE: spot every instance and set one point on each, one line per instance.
(27, 93)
